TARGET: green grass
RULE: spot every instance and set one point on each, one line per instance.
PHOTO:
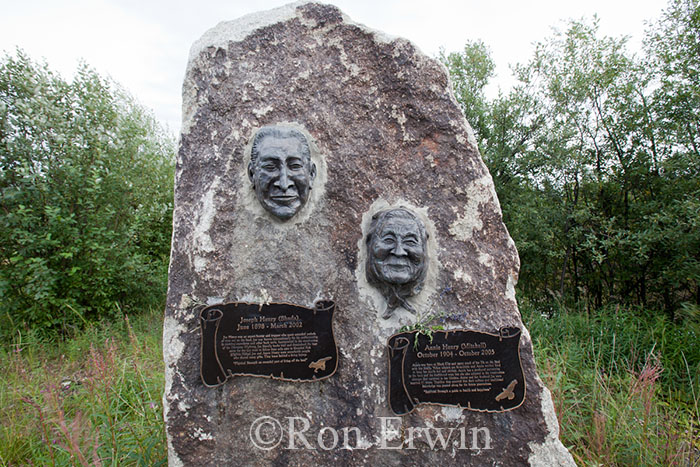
(94, 399)
(625, 383)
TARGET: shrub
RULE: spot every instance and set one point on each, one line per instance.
(85, 198)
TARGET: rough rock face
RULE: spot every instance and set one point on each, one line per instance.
(385, 131)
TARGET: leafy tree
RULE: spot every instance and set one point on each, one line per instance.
(595, 158)
(586, 85)
(85, 198)
(470, 71)
(673, 56)
(673, 45)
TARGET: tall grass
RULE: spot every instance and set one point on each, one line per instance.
(625, 384)
(94, 399)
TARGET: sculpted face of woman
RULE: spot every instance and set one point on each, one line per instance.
(398, 251)
(397, 260)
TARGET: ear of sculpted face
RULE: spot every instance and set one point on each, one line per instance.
(397, 260)
(281, 170)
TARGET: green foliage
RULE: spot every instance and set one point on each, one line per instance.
(673, 43)
(471, 71)
(94, 399)
(423, 326)
(595, 159)
(85, 198)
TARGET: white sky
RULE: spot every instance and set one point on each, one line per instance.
(144, 44)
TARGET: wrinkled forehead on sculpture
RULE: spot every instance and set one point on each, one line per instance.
(279, 132)
(381, 218)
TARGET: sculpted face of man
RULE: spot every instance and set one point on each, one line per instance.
(281, 170)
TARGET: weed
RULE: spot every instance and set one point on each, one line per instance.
(624, 383)
(93, 399)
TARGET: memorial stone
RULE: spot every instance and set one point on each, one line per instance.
(332, 208)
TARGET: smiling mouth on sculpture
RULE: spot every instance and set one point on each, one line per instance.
(398, 263)
(285, 200)
(285, 197)
(398, 271)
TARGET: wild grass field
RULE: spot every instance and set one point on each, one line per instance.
(94, 399)
(626, 388)
(625, 383)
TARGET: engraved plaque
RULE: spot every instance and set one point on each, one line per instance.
(469, 369)
(275, 340)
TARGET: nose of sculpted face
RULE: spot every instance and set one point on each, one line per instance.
(284, 182)
(398, 249)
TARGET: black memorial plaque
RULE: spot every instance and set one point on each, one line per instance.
(470, 369)
(275, 340)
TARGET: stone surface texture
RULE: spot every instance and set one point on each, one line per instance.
(386, 131)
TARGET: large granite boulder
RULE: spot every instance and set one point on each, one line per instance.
(384, 130)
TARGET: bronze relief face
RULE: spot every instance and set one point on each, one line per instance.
(397, 261)
(281, 170)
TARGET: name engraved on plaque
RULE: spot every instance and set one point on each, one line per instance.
(469, 369)
(276, 340)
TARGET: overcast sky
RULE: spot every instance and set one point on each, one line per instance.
(144, 44)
